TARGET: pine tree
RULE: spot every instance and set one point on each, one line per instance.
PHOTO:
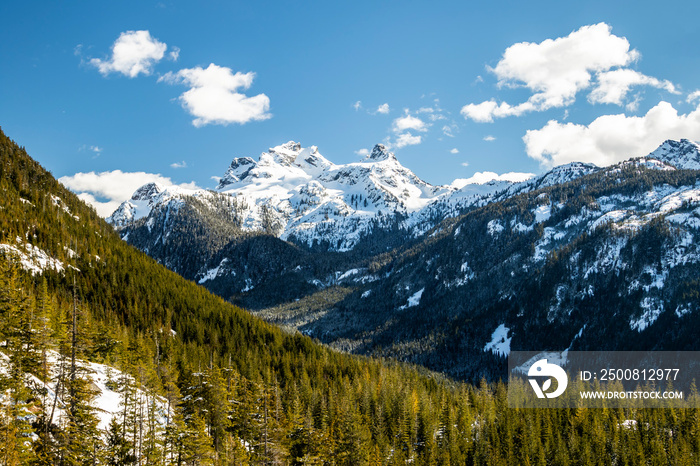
(118, 451)
(15, 329)
(197, 448)
(83, 440)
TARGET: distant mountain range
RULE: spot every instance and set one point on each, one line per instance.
(371, 259)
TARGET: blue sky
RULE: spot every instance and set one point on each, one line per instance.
(178, 89)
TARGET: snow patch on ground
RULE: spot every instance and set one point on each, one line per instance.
(348, 274)
(612, 216)
(494, 227)
(545, 244)
(553, 357)
(32, 259)
(211, 274)
(500, 341)
(414, 299)
(683, 310)
(107, 403)
(652, 307)
(542, 213)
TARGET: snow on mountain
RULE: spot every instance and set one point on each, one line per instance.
(145, 199)
(108, 401)
(297, 194)
(31, 258)
(479, 192)
(683, 154)
(500, 341)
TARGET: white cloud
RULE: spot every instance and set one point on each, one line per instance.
(448, 130)
(213, 96)
(182, 164)
(454, 151)
(487, 110)
(464, 164)
(362, 152)
(383, 109)
(485, 177)
(104, 209)
(174, 54)
(693, 96)
(489, 138)
(133, 53)
(407, 122)
(612, 86)
(112, 187)
(404, 126)
(610, 138)
(554, 70)
(407, 139)
(97, 150)
(357, 105)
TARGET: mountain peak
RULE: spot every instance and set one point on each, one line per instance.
(287, 146)
(239, 169)
(380, 152)
(683, 154)
(147, 191)
(284, 154)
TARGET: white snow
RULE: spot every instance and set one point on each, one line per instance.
(500, 341)
(542, 213)
(613, 216)
(652, 307)
(32, 259)
(560, 358)
(494, 227)
(107, 402)
(546, 243)
(628, 424)
(348, 274)
(467, 275)
(211, 274)
(302, 195)
(683, 310)
(519, 227)
(414, 299)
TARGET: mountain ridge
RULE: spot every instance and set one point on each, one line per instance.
(570, 209)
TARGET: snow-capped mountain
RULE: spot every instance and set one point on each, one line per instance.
(607, 260)
(683, 154)
(568, 259)
(299, 195)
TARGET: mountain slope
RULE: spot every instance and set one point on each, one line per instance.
(480, 258)
(607, 261)
(241, 391)
(220, 369)
(297, 194)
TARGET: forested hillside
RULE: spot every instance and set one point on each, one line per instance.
(239, 390)
(607, 261)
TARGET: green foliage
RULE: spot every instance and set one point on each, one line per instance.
(239, 390)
